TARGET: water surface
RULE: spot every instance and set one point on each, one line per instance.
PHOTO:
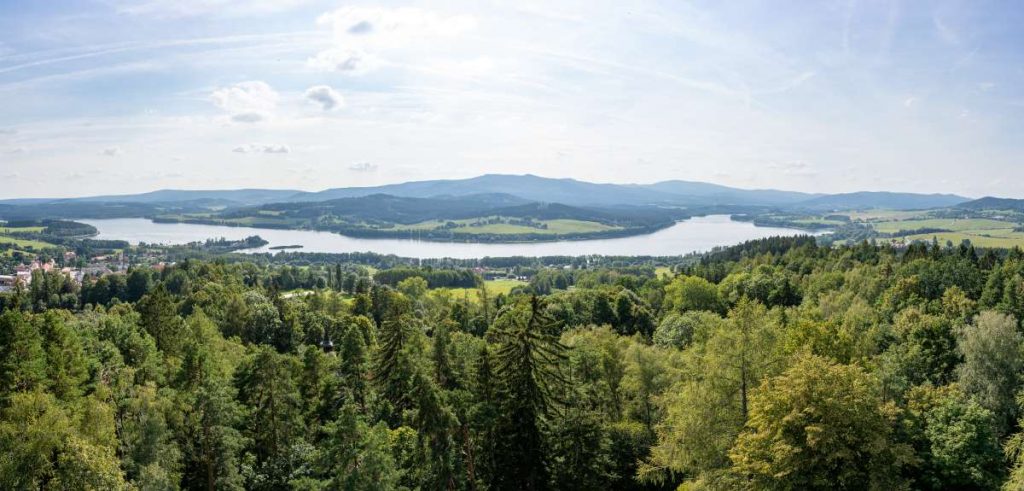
(693, 235)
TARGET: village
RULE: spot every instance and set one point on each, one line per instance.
(70, 265)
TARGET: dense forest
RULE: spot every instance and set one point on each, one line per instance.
(778, 364)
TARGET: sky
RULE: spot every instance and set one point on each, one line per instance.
(118, 96)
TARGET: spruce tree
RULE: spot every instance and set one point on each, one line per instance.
(22, 360)
(527, 368)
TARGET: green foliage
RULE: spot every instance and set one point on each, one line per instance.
(705, 411)
(682, 330)
(49, 446)
(528, 375)
(22, 359)
(687, 293)
(955, 440)
(993, 365)
(776, 364)
(819, 425)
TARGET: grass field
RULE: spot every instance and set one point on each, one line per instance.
(956, 225)
(256, 221)
(993, 238)
(818, 221)
(872, 215)
(982, 232)
(11, 230)
(663, 271)
(494, 288)
(4, 239)
(559, 226)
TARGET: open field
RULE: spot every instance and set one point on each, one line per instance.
(558, 226)
(871, 215)
(818, 221)
(11, 230)
(982, 232)
(956, 225)
(23, 243)
(991, 238)
(494, 288)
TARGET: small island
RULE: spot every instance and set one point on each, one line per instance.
(284, 247)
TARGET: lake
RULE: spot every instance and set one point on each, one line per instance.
(693, 235)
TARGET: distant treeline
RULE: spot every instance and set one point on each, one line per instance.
(436, 278)
(434, 235)
(786, 222)
(225, 245)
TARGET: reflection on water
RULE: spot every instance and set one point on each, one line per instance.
(695, 234)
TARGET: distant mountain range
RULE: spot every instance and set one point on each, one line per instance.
(528, 188)
(990, 203)
(881, 200)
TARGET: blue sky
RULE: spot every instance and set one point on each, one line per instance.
(116, 96)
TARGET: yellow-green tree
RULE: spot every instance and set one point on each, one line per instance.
(819, 425)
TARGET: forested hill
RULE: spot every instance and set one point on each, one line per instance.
(777, 364)
(530, 188)
(881, 200)
(489, 217)
(990, 203)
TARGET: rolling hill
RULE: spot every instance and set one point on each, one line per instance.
(526, 188)
(491, 217)
(865, 200)
(990, 203)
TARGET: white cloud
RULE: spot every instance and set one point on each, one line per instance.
(406, 23)
(363, 35)
(328, 98)
(247, 102)
(16, 150)
(112, 152)
(344, 60)
(363, 167)
(258, 148)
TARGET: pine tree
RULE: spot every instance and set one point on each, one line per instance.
(160, 318)
(443, 374)
(65, 359)
(527, 368)
(209, 441)
(267, 387)
(353, 367)
(480, 453)
(435, 424)
(358, 456)
(22, 360)
(393, 367)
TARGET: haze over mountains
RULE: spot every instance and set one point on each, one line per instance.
(531, 188)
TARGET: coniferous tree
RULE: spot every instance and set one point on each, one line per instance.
(159, 317)
(65, 359)
(210, 442)
(22, 359)
(266, 386)
(358, 456)
(527, 368)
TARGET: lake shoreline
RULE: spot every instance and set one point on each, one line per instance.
(460, 238)
(699, 234)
